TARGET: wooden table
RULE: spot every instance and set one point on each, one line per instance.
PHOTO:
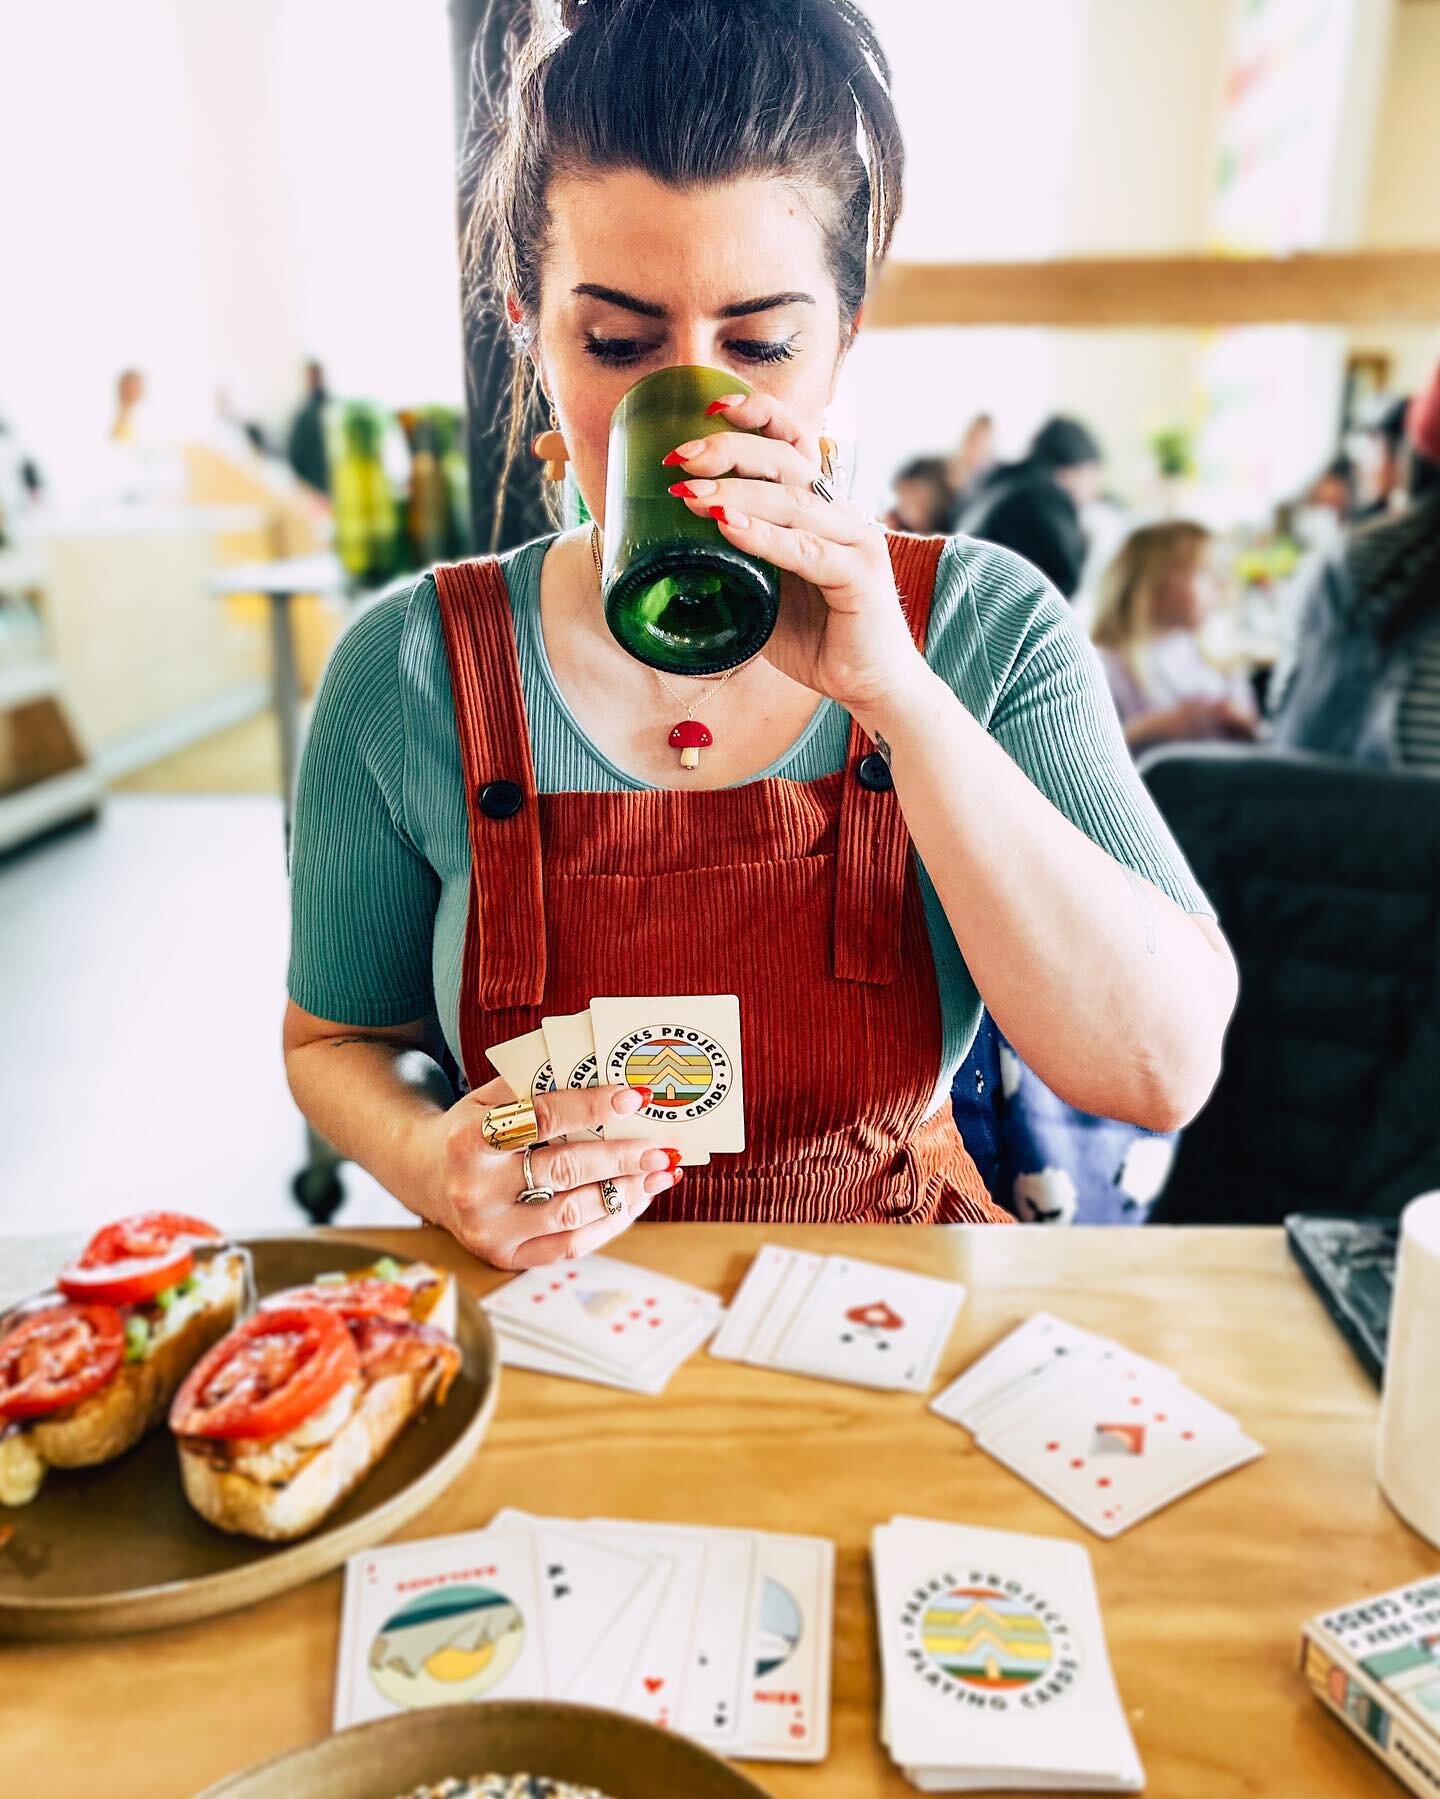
(1202, 1603)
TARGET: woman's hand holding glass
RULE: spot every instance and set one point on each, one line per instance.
(842, 631)
(474, 1191)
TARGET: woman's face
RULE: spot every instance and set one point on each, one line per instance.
(670, 266)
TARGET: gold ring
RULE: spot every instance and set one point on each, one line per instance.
(511, 1126)
(610, 1198)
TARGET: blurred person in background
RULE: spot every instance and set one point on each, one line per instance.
(1033, 506)
(970, 463)
(1380, 474)
(306, 448)
(129, 400)
(921, 497)
(1154, 599)
(1364, 676)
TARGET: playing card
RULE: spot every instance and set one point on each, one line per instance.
(994, 1664)
(605, 1310)
(722, 1629)
(872, 1325)
(687, 1052)
(523, 1063)
(650, 1376)
(570, 1049)
(443, 1622)
(1113, 1449)
(1041, 1386)
(1011, 1361)
(570, 1042)
(786, 1706)
(583, 1585)
(751, 1302)
(655, 1686)
(788, 1300)
(605, 1676)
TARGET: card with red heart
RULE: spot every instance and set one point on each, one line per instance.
(873, 1325)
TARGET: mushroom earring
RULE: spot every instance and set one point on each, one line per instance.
(552, 450)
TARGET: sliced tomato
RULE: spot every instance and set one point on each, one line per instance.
(58, 1356)
(270, 1374)
(135, 1258)
(367, 1298)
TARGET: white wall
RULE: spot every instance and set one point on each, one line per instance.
(213, 190)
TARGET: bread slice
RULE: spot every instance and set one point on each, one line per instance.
(278, 1491)
(138, 1396)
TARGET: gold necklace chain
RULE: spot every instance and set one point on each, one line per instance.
(712, 683)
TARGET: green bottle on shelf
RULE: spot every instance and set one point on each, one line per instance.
(677, 595)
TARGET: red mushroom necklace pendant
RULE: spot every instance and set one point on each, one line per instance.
(689, 736)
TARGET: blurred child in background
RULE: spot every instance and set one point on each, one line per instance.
(1152, 603)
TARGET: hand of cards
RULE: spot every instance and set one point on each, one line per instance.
(601, 1320)
(685, 1050)
(723, 1635)
(1109, 1436)
(840, 1318)
(993, 1663)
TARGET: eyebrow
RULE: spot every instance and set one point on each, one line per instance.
(648, 309)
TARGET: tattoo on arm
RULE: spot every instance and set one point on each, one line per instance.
(1145, 907)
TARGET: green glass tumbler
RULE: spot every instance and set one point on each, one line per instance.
(677, 595)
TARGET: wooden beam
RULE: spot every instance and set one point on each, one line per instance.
(1352, 287)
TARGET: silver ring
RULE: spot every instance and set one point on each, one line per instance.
(822, 487)
(531, 1194)
(610, 1194)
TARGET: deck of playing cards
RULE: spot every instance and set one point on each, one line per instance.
(686, 1050)
(723, 1635)
(601, 1320)
(993, 1660)
(1376, 1665)
(1110, 1436)
(839, 1318)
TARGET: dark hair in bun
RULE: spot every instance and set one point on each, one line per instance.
(799, 88)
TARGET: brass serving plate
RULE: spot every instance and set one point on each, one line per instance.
(101, 1551)
(624, 1758)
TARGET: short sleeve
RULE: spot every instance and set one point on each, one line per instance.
(362, 896)
(1030, 675)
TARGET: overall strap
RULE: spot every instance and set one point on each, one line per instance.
(873, 858)
(507, 903)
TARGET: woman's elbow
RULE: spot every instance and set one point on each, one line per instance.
(1173, 1083)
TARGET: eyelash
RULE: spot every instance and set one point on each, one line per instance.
(618, 351)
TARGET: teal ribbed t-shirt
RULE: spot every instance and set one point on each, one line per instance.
(380, 855)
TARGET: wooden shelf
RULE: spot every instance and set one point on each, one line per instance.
(1352, 287)
(31, 810)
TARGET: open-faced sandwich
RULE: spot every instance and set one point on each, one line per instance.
(292, 1410)
(87, 1370)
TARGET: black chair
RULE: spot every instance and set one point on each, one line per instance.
(1326, 877)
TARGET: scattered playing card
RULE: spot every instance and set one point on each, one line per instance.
(441, 1623)
(1114, 1447)
(686, 1050)
(840, 1318)
(723, 1635)
(601, 1319)
(1109, 1435)
(872, 1325)
(993, 1663)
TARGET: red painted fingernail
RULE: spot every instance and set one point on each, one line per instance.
(673, 460)
(684, 490)
(717, 406)
(674, 1155)
(719, 512)
(644, 1093)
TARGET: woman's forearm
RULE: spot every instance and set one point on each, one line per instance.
(372, 1100)
(1116, 997)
